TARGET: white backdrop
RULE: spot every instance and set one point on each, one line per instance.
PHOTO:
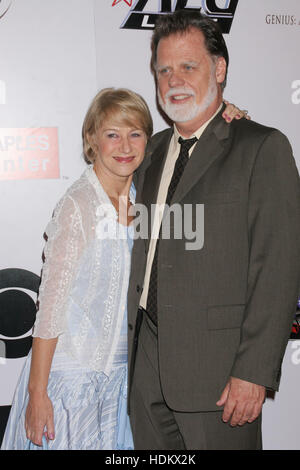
(55, 55)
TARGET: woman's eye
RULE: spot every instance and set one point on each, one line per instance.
(112, 135)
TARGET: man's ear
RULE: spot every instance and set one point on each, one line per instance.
(221, 68)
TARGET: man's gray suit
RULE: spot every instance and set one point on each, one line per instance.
(227, 309)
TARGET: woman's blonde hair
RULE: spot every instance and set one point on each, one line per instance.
(123, 107)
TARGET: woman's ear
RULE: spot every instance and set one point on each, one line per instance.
(92, 142)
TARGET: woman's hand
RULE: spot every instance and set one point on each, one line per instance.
(232, 112)
(39, 418)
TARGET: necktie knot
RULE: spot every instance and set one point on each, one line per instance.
(186, 144)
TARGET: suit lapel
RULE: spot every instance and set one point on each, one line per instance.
(209, 147)
(153, 176)
(154, 171)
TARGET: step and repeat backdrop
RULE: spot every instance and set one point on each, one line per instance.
(54, 57)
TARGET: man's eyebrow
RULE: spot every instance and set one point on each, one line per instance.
(190, 62)
(184, 62)
(161, 66)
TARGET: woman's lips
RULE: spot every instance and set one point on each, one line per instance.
(124, 159)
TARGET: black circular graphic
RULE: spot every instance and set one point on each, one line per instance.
(17, 310)
(17, 313)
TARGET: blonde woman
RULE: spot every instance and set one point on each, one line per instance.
(73, 387)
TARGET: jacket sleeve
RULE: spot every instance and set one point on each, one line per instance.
(65, 242)
(274, 263)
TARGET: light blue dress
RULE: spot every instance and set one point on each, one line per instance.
(87, 383)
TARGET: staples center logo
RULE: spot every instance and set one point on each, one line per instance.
(29, 153)
(4, 7)
(143, 14)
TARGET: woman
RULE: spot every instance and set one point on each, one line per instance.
(73, 387)
(80, 335)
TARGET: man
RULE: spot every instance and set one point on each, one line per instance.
(212, 323)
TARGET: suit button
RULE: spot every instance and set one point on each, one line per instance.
(130, 326)
(138, 288)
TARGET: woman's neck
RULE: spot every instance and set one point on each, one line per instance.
(114, 186)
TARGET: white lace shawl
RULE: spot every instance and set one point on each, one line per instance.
(83, 292)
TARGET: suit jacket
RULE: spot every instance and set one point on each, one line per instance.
(225, 309)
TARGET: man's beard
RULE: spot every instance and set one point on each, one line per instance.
(188, 111)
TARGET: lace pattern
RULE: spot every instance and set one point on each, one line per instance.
(82, 297)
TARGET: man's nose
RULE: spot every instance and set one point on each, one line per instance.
(175, 80)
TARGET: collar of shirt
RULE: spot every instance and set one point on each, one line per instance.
(175, 144)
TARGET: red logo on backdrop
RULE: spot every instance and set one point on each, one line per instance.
(29, 153)
(295, 334)
(129, 2)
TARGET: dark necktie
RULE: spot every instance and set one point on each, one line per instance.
(183, 158)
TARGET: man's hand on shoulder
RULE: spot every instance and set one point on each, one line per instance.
(242, 401)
